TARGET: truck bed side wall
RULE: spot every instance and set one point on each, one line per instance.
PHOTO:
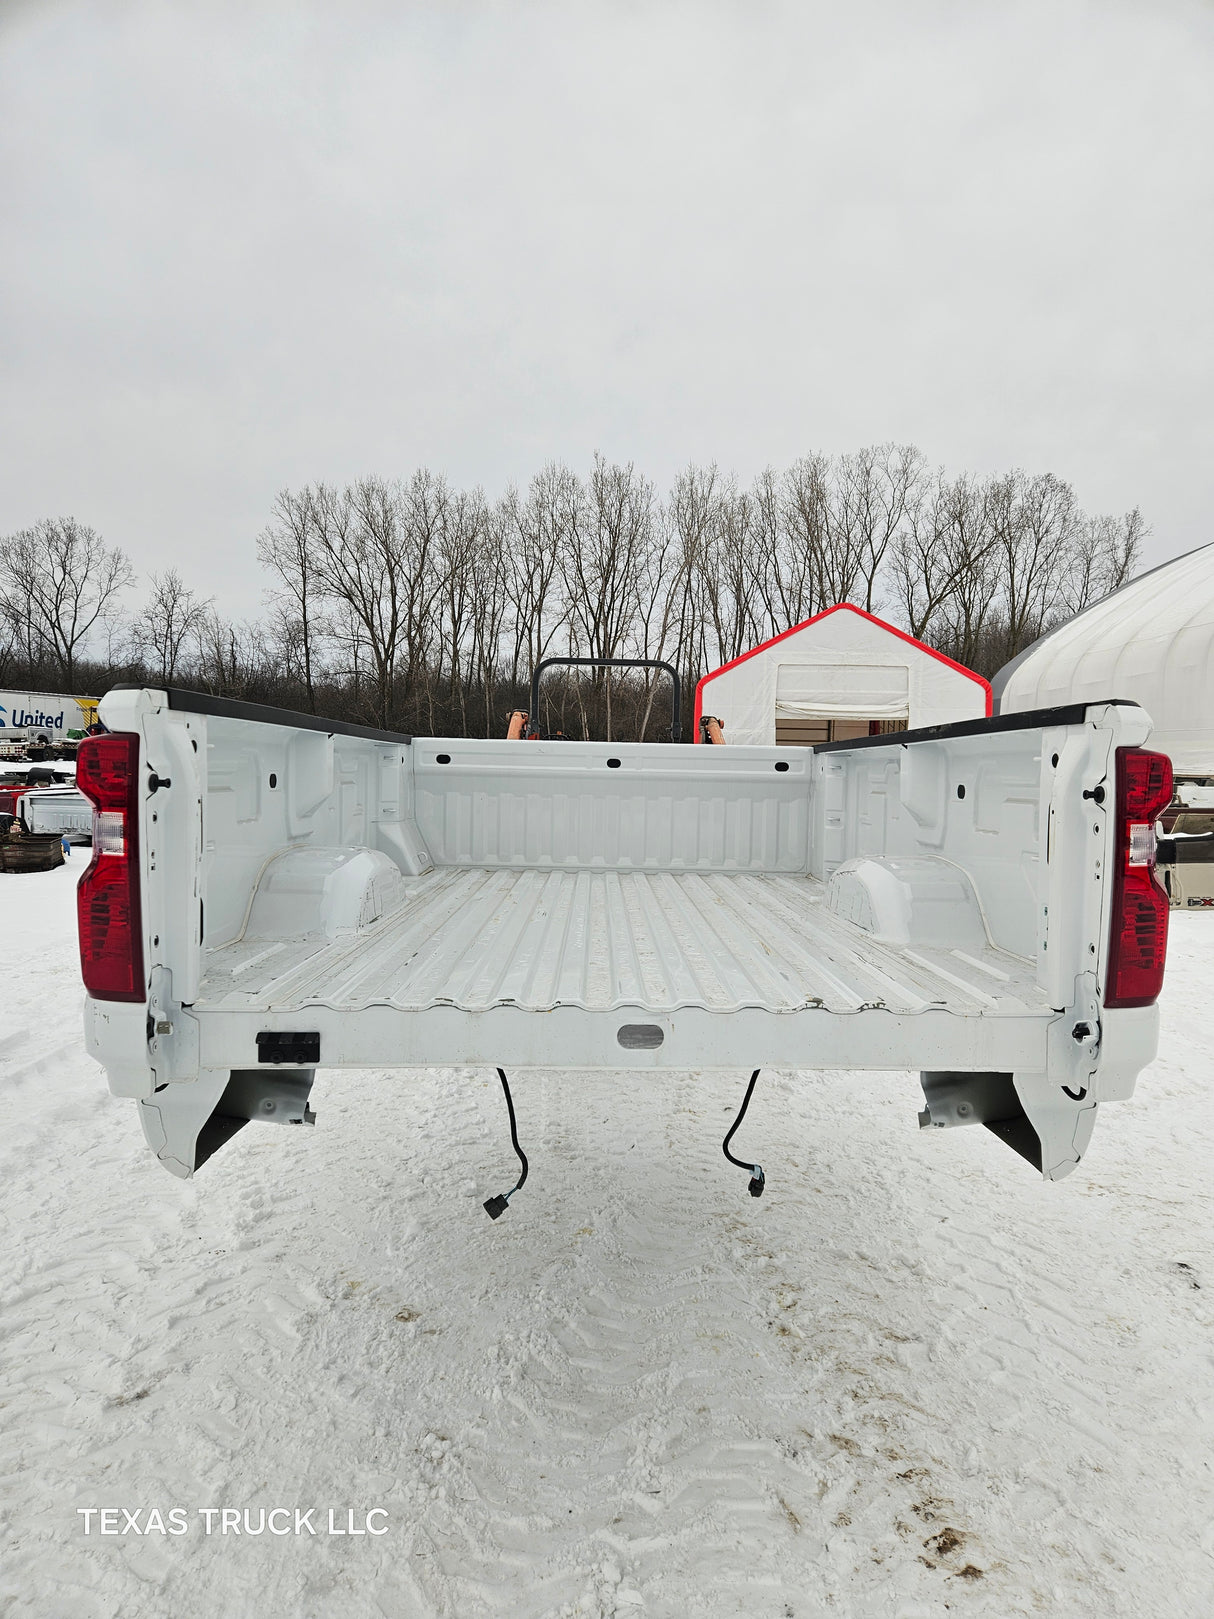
(1013, 809)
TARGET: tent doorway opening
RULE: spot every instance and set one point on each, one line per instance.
(838, 700)
(805, 731)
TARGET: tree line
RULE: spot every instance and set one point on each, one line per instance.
(418, 606)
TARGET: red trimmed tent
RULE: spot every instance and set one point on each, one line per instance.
(840, 675)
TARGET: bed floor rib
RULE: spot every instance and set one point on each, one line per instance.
(604, 940)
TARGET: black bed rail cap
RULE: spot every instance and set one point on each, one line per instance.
(202, 702)
(1032, 719)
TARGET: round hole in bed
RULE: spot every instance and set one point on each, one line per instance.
(782, 764)
(613, 764)
(442, 759)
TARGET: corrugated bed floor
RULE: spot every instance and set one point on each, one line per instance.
(476, 939)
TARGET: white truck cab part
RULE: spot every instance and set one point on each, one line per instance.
(271, 892)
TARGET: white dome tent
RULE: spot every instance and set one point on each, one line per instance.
(1151, 642)
(841, 674)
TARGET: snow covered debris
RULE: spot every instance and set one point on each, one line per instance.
(911, 1380)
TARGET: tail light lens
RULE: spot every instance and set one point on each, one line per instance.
(107, 900)
(1139, 943)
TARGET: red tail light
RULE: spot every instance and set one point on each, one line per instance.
(107, 900)
(1139, 942)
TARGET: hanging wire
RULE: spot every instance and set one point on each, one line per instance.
(496, 1206)
(756, 1170)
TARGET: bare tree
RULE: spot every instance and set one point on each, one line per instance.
(11, 627)
(360, 550)
(877, 486)
(286, 647)
(425, 510)
(692, 516)
(797, 578)
(461, 549)
(1105, 558)
(971, 543)
(533, 534)
(1035, 524)
(286, 548)
(922, 565)
(232, 659)
(490, 606)
(61, 581)
(659, 594)
(168, 623)
(602, 558)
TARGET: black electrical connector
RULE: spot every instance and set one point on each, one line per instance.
(757, 1181)
(495, 1207)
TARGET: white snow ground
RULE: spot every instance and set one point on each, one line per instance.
(912, 1380)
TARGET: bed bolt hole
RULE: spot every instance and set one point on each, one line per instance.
(273, 779)
(960, 789)
(442, 759)
(613, 764)
(1054, 761)
(782, 764)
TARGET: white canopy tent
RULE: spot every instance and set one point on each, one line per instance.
(843, 666)
(1151, 642)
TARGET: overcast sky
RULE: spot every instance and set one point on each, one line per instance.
(247, 246)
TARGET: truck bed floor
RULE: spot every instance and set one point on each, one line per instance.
(476, 938)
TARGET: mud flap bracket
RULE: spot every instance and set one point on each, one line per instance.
(1037, 1118)
(187, 1124)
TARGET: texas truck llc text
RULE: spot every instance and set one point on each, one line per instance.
(234, 1521)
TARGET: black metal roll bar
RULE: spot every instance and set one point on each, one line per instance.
(676, 728)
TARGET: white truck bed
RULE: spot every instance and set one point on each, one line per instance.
(57, 809)
(315, 894)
